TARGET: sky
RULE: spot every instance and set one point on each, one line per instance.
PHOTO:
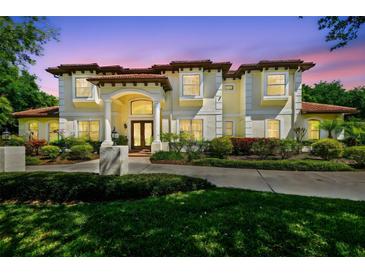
(144, 41)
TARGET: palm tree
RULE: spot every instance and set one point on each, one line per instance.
(330, 126)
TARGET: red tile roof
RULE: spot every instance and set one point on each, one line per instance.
(38, 112)
(308, 107)
(132, 78)
(292, 64)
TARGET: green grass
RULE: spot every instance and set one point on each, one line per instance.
(214, 222)
(302, 165)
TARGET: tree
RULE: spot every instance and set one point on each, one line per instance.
(334, 93)
(22, 40)
(331, 126)
(342, 30)
(5, 111)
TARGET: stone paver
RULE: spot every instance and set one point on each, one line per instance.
(346, 185)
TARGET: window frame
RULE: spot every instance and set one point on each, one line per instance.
(319, 130)
(135, 100)
(191, 125)
(233, 128)
(201, 85)
(37, 122)
(267, 127)
(89, 120)
(265, 83)
(49, 130)
(93, 88)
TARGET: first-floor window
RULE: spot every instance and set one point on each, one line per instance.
(273, 128)
(194, 127)
(89, 129)
(313, 130)
(53, 131)
(33, 129)
(228, 128)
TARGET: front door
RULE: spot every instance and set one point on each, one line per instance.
(142, 134)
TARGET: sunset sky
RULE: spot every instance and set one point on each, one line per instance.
(144, 41)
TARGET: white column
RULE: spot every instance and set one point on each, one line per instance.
(156, 144)
(156, 121)
(107, 123)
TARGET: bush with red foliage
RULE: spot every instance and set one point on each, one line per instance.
(33, 146)
(242, 146)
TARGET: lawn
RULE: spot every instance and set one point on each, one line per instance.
(211, 222)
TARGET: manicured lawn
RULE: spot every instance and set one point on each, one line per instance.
(212, 222)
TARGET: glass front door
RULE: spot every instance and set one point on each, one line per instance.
(142, 134)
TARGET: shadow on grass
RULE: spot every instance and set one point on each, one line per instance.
(216, 222)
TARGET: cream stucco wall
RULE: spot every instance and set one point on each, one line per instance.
(43, 126)
(244, 105)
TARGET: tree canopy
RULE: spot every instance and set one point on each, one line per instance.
(22, 40)
(342, 30)
(335, 94)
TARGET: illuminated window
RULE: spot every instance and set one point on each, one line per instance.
(83, 88)
(273, 128)
(33, 129)
(141, 107)
(194, 127)
(276, 85)
(89, 130)
(191, 85)
(228, 128)
(313, 130)
(53, 131)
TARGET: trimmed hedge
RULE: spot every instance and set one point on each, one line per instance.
(357, 154)
(89, 187)
(327, 149)
(242, 146)
(167, 155)
(300, 165)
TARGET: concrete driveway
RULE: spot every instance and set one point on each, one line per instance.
(346, 185)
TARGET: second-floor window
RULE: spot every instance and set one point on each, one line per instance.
(276, 85)
(83, 88)
(191, 85)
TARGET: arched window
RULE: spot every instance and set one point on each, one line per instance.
(33, 130)
(313, 129)
(141, 107)
(52, 131)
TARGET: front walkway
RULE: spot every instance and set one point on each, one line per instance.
(346, 185)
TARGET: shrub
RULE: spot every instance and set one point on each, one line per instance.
(265, 147)
(96, 146)
(288, 147)
(327, 149)
(167, 155)
(242, 146)
(14, 141)
(33, 146)
(221, 147)
(300, 165)
(32, 161)
(88, 187)
(80, 152)
(121, 141)
(73, 141)
(50, 151)
(357, 154)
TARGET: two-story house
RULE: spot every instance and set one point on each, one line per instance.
(202, 97)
